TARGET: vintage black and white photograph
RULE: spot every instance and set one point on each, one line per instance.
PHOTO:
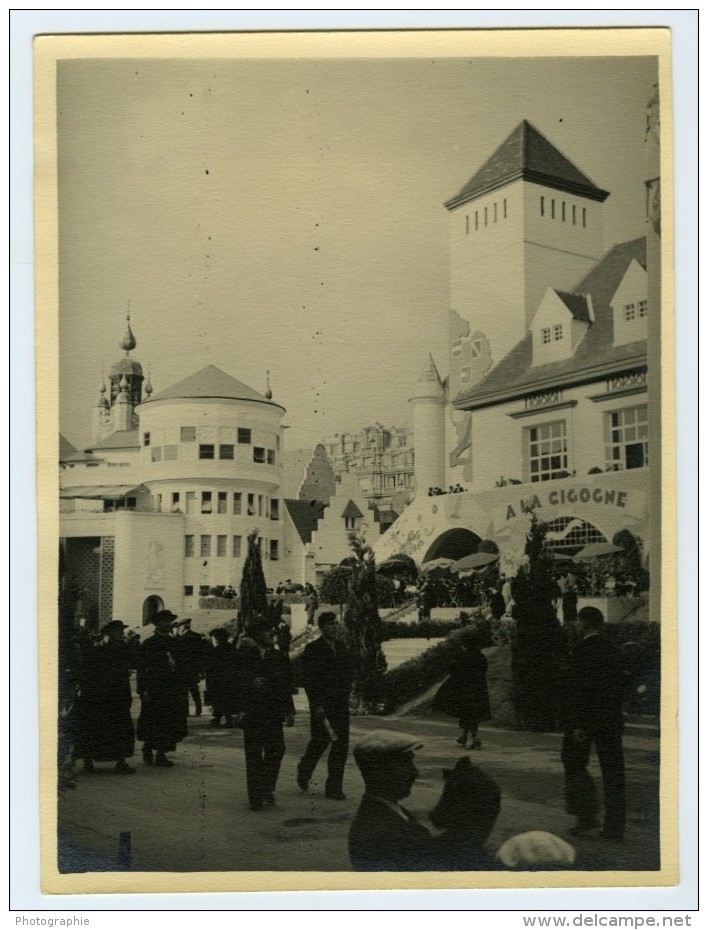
(363, 357)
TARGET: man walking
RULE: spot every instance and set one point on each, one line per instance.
(192, 660)
(328, 674)
(594, 715)
(264, 702)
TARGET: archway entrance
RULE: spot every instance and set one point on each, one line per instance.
(151, 606)
(453, 544)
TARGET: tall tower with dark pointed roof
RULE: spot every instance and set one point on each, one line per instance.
(527, 218)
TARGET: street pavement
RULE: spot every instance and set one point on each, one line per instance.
(195, 817)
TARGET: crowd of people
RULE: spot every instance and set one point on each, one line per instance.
(452, 489)
(249, 685)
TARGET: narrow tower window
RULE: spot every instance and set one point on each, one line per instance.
(495, 213)
(505, 208)
(485, 216)
(467, 224)
(563, 212)
(543, 206)
(476, 220)
(584, 218)
(574, 214)
(553, 208)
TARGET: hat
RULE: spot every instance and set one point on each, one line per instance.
(536, 850)
(327, 616)
(113, 625)
(219, 633)
(186, 622)
(164, 615)
(382, 744)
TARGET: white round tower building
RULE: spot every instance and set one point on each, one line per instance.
(429, 403)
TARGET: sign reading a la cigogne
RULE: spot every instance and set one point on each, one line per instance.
(596, 496)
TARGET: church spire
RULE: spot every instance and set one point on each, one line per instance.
(128, 342)
(268, 392)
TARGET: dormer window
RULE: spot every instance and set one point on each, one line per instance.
(546, 335)
(642, 308)
(630, 311)
(558, 332)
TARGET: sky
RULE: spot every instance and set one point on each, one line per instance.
(287, 215)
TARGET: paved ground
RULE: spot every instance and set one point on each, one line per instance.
(195, 816)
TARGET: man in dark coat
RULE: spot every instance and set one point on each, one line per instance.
(221, 670)
(163, 718)
(385, 837)
(104, 731)
(265, 702)
(191, 660)
(594, 715)
(327, 671)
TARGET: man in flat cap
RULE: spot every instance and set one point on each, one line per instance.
(104, 731)
(328, 674)
(385, 837)
(163, 715)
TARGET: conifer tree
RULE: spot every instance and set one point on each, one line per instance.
(253, 600)
(364, 628)
(536, 655)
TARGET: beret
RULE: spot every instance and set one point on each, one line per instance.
(536, 849)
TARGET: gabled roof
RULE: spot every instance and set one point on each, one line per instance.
(595, 357)
(305, 515)
(120, 439)
(578, 305)
(351, 511)
(210, 382)
(65, 448)
(527, 154)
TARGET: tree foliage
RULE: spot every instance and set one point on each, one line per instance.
(253, 600)
(364, 628)
(537, 648)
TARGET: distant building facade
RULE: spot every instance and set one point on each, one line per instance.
(383, 461)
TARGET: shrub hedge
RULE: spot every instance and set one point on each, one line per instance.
(640, 644)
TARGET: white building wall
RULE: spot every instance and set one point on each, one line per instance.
(330, 543)
(500, 271)
(148, 561)
(499, 441)
(487, 268)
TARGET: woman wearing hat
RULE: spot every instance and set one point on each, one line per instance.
(163, 714)
(104, 726)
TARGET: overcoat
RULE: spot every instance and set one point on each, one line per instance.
(464, 693)
(163, 713)
(104, 727)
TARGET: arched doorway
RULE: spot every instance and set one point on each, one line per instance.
(151, 606)
(453, 544)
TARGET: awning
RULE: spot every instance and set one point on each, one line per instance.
(114, 492)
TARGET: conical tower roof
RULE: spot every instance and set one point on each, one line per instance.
(527, 154)
(211, 382)
(429, 383)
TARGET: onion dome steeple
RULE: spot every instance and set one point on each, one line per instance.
(127, 369)
(128, 342)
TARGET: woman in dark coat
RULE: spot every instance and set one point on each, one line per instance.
(464, 694)
(163, 715)
(105, 730)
